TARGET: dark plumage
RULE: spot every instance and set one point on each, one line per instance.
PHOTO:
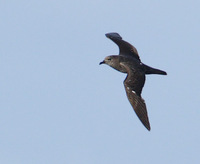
(128, 61)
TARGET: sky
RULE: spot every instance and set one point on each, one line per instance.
(58, 105)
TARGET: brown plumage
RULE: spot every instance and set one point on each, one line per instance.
(133, 84)
(128, 61)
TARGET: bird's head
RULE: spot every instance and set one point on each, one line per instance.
(113, 61)
(110, 60)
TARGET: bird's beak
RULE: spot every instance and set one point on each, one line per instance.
(103, 62)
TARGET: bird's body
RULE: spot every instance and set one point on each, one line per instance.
(128, 61)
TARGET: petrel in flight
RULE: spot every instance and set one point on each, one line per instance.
(128, 61)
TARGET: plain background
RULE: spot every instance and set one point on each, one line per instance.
(59, 106)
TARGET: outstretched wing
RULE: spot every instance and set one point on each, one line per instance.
(133, 84)
(125, 48)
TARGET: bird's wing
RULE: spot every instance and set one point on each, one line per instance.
(125, 48)
(133, 84)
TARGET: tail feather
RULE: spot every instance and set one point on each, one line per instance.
(150, 70)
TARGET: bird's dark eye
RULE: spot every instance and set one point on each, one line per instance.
(109, 59)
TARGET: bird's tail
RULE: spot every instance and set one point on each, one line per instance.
(150, 70)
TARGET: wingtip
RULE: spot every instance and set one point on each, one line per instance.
(146, 125)
(148, 128)
(113, 35)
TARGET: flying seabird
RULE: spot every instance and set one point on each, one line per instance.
(128, 61)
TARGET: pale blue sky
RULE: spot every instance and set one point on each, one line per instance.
(59, 106)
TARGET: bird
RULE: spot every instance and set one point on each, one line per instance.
(128, 61)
